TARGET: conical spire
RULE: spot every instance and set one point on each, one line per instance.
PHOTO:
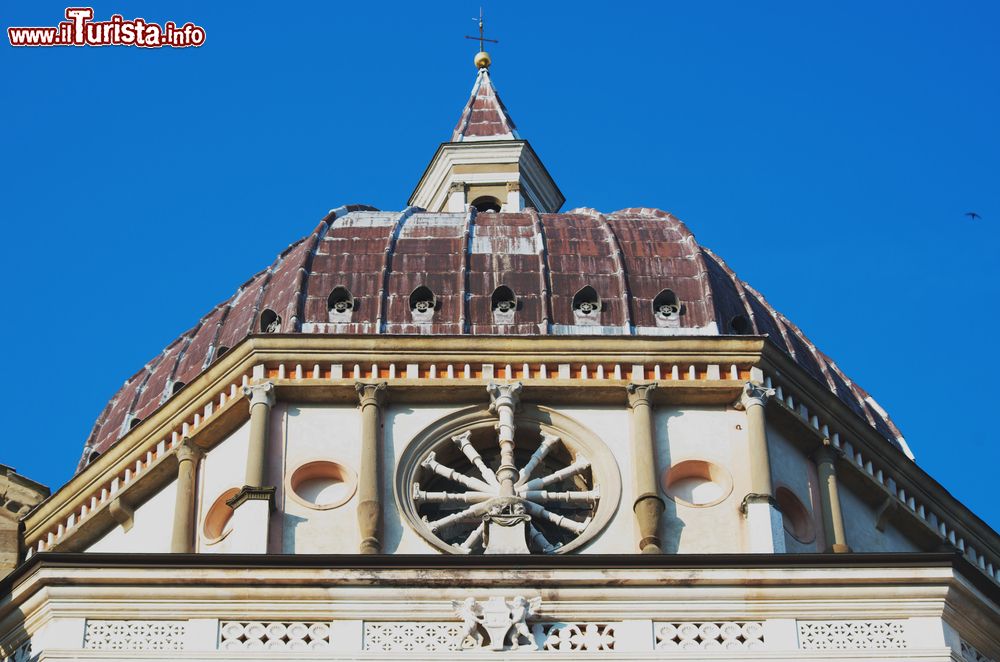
(486, 164)
(484, 116)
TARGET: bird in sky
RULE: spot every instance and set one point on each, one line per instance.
(973, 215)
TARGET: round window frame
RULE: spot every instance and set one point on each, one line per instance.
(666, 481)
(800, 505)
(218, 503)
(533, 418)
(348, 476)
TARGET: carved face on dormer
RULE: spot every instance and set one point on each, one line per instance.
(666, 309)
(422, 304)
(504, 303)
(587, 307)
(340, 305)
(270, 321)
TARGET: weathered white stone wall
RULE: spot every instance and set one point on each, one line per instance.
(151, 526)
(222, 468)
(302, 433)
(791, 469)
(400, 424)
(317, 432)
(611, 425)
(859, 525)
(711, 434)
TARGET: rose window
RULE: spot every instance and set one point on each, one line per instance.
(536, 482)
(458, 490)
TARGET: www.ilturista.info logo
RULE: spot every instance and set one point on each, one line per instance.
(81, 30)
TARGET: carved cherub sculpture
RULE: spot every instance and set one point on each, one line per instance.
(520, 611)
(471, 614)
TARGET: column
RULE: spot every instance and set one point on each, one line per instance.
(456, 197)
(372, 397)
(648, 506)
(767, 534)
(829, 497)
(506, 521)
(514, 200)
(253, 503)
(504, 400)
(261, 400)
(188, 457)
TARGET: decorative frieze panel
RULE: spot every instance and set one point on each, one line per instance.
(728, 635)
(411, 637)
(135, 635)
(574, 636)
(276, 635)
(429, 637)
(852, 635)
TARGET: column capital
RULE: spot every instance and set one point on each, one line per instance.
(826, 453)
(187, 451)
(501, 395)
(371, 393)
(639, 394)
(260, 394)
(754, 394)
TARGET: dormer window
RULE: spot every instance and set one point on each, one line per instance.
(422, 304)
(176, 388)
(740, 325)
(340, 305)
(270, 322)
(504, 304)
(219, 352)
(587, 307)
(667, 309)
(486, 203)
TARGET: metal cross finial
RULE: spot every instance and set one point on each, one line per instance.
(481, 39)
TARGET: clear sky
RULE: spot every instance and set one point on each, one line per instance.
(828, 151)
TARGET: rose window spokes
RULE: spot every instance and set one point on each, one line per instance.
(476, 482)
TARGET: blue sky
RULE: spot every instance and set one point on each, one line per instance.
(827, 151)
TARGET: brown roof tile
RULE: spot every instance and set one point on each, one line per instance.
(484, 116)
(628, 257)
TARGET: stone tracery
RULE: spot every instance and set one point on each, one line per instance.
(501, 490)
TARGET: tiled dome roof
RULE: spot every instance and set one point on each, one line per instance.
(379, 266)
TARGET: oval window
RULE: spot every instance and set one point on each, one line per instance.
(795, 516)
(697, 483)
(322, 484)
(219, 515)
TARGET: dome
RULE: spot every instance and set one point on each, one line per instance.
(633, 272)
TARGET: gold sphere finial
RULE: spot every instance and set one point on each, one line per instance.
(482, 59)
